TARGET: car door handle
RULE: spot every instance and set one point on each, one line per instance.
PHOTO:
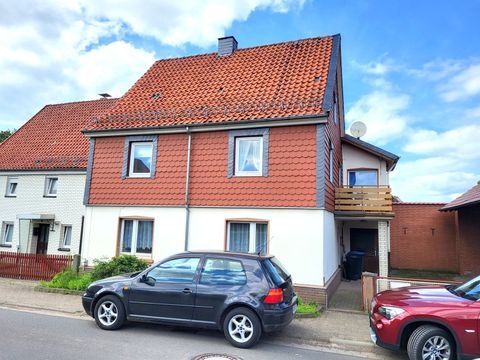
(187, 291)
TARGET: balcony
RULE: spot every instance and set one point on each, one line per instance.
(364, 199)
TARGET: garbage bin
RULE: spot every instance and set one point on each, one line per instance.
(354, 264)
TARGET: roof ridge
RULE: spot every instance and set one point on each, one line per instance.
(251, 47)
(82, 101)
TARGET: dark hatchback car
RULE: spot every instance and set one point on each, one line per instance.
(242, 295)
(430, 322)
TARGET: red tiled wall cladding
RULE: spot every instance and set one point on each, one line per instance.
(412, 244)
(468, 242)
(291, 180)
(167, 188)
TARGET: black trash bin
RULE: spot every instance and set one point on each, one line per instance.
(354, 264)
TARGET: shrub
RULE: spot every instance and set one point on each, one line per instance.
(117, 265)
(69, 279)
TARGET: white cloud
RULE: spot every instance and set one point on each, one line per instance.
(56, 50)
(378, 68)
(383, 113)
(463, 85)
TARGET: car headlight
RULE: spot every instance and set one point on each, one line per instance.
(390, 312)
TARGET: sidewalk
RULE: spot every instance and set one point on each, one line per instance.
(334, 330)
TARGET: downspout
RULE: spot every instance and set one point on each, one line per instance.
(187, 187)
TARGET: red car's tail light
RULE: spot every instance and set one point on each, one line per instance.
(274, 296)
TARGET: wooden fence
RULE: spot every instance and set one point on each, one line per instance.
(32, 266)
(369, 199)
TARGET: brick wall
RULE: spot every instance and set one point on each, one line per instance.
(468, 240)
(423, 238)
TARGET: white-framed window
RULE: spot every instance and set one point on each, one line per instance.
(51, 184)
(330, 162)
(136, 237)
(248, 237)
(67, 236)
(12, 183)
(363, 177)
(140, 160)
(248, 156)
(7, 233)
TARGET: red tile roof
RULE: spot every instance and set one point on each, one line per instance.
(272, 81)
(52, 138)
(471, 197)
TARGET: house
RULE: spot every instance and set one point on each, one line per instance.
(238, 150)
(467, 208)
(42, 176)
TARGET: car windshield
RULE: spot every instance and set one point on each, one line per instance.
(469, 290)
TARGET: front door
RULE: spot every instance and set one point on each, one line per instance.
(170, 293)
(366, 241)
(42, 240)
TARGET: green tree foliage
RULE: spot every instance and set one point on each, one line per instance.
(4, 134)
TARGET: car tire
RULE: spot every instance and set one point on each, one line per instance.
(242, 327)
(433, 340)
(109, 313)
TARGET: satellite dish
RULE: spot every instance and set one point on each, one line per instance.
(358, 129)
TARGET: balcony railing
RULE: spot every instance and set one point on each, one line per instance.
(367, 199)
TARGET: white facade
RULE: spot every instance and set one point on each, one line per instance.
(30, 207)
(300, 238)
(355, 158)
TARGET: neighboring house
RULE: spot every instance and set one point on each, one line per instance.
(42, 177)
(239, 150)
(467, 207)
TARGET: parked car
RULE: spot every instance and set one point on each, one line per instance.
(241, 294)
(430, 322)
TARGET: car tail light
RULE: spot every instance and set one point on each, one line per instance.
(274, 296)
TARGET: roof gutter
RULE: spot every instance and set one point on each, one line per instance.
(245, 124)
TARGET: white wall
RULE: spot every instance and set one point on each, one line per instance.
(331, 258)
(355, 158)
(67, 207)
(295, 235)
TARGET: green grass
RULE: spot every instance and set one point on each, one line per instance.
(307, 309)
(425, 274)
(70, 280)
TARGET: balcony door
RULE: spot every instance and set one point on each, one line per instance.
(362, 177)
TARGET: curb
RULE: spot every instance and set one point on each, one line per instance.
(40, 288)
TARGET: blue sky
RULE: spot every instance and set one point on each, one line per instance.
(411, 69)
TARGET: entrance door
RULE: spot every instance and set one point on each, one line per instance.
(42, 240)
(366, 240)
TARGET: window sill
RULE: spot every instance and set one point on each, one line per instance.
(10, 196)
(149, 176)
(63, 249)
(49, 196)
(5, 245)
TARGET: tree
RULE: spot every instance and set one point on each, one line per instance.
(4, 134)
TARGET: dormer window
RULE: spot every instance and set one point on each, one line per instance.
(139, 157)
(248, 156)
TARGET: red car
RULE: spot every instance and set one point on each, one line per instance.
(430, 322)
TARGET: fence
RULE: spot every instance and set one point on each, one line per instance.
(32, 266)
(372, 284)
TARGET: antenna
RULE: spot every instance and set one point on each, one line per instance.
(105, 95)
(358, 129)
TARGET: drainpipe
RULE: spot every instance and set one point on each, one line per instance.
(187, 187)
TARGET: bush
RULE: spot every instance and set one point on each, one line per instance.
(311, 309)
(117, 265)
(69, 279)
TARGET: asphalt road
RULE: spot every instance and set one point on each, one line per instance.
(44, 337)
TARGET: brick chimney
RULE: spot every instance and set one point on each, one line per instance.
(227, 45)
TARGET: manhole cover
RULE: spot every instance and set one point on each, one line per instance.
(216, 357)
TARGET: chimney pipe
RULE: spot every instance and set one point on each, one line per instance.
(227, 45)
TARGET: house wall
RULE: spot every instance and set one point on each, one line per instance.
(294, 235)
(468, 240)
(423, 238)
(67, 208)
(354, 158)
(291, 180)
(332, 134)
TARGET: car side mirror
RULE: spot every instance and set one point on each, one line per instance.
(148, 280)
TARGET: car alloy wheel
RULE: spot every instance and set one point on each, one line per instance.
(109, 313)
(242, 327)
(429, 342)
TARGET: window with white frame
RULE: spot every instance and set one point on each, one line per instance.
(248, 156)
(67, 237)
(7, 233)
(247, 237)
(141, 154)
(12, 183)
(51, 186)
(136, 237)
(363, 177)
(330, 165)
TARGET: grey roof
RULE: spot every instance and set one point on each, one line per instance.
(390, 158)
